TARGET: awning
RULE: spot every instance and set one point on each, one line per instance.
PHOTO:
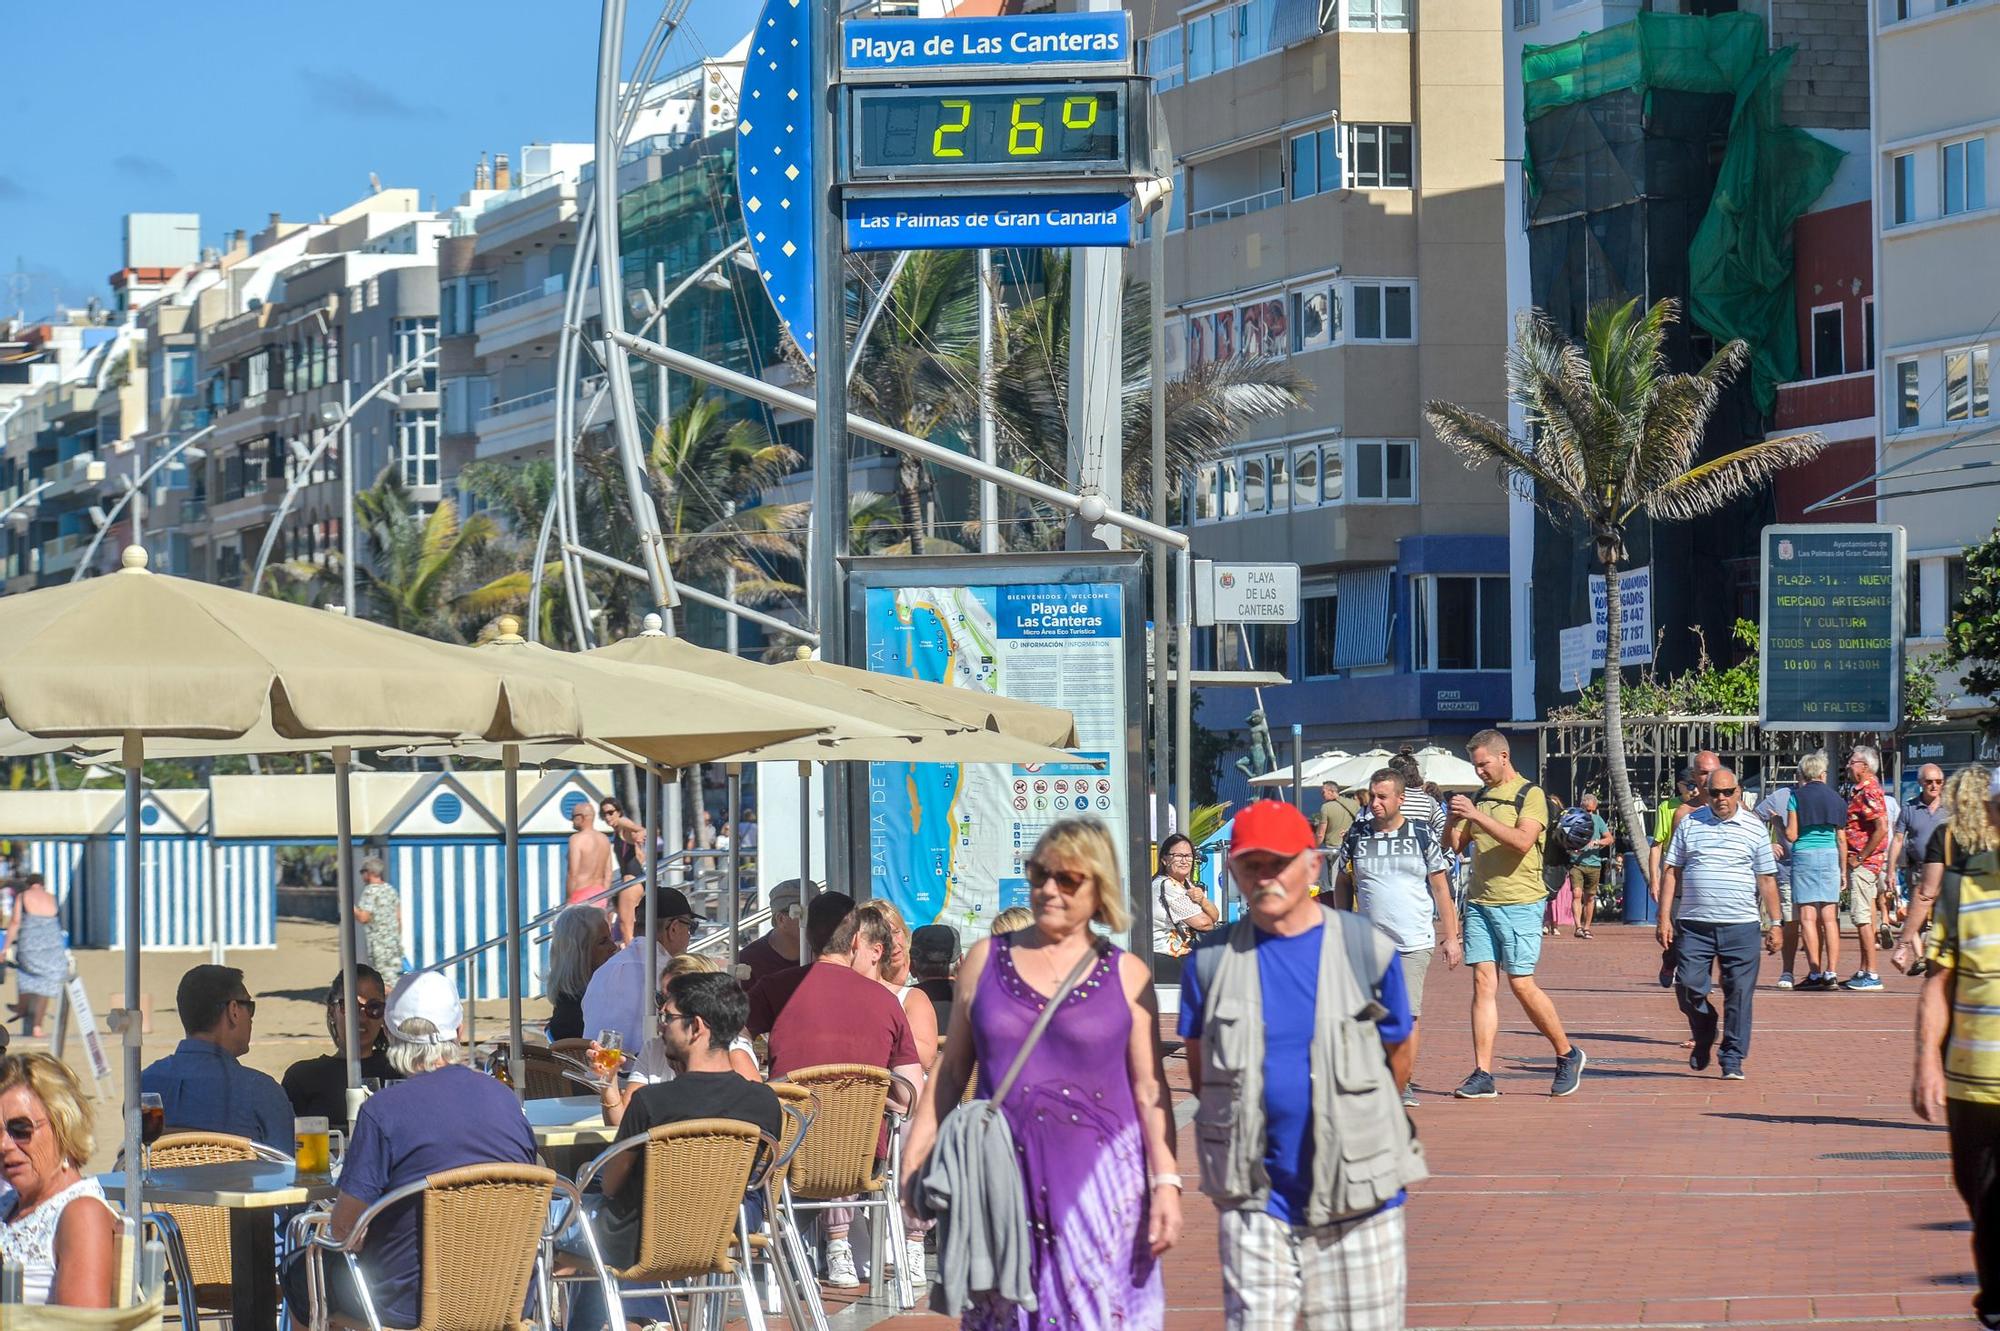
(1361, 624)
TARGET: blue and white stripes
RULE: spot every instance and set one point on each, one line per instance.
(453, 899)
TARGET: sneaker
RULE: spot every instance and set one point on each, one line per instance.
(1862, 981)
(1785, 980)
(1410, 1096)
(840, 1272)
(1478, 1086)
(1569, 1071)
(913, 1250)
(1732, 1074)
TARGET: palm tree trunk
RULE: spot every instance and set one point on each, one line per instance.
(1614, 715)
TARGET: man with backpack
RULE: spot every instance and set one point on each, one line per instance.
(1504, 824)
(1297, 1021)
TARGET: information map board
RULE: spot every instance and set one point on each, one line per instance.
(946, 843)
(1831, 655)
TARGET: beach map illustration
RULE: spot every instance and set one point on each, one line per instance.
(946, 842)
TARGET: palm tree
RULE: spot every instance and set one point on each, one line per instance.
(419, 575)
(1208, 407)
(708, 472)
(1612, 434)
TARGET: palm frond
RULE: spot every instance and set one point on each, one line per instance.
(1712, 485)
(1480, 439)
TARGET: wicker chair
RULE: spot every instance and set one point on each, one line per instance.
(692, 1225)
(203, 1230)
(779, 1240)
(836, 1164)
(550, 1074)
(482, 1231)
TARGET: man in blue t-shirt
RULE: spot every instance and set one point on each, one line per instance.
(1285, 1251)
(442, 1116)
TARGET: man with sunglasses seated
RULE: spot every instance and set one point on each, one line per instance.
(203, 1084)
(1720, 870)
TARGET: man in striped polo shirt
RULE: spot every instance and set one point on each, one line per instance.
(1720, 870)
(1958, 1030)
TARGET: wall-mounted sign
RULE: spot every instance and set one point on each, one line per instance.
(1831, 655)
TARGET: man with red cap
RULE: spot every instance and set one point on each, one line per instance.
(1297, 1023)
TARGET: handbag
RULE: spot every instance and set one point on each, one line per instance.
(971, 1185)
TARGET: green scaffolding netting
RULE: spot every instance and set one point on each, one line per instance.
(1740, 260)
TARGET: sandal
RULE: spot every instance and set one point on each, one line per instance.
(1584, 933)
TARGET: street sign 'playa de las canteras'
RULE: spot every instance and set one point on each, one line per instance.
(1831, 655)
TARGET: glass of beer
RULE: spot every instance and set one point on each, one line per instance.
(152, 1125)
(312, 1145)
(609, 1055)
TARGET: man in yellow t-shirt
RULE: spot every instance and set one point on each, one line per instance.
(1503, 825)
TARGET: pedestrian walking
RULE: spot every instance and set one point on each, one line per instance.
(1962, 802)
(1303, 1144)
(1394, 872)
(1503, 825)
(35, 934)
(1957, 1080)
(1721, 873)
(1917, 822)
(378, 909)
(1088, 1108)
(1336, 814)
(1817, 825)
(1586, 871)
(1774, 810)
(1868, 825)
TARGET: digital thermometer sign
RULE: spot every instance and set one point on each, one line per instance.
(975, 131)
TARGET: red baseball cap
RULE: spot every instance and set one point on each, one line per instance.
(1273, 826)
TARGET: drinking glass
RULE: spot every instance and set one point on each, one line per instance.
(313, 1146)
(609, 1055)
(152, 1126)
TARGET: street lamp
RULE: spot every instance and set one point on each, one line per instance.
(134, 486)
(410, 375)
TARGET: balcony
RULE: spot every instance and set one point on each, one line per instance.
(1243, 207)
(63, 554)
(528, 320)
(1235, 185)
(526, 424)
(1805, 403)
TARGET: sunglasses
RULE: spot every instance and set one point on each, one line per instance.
(1066, 880)
(249, 1005)
(1722, 792)
(666, 1016)
(22, 1130)
(1932, 781)
(373, 1010)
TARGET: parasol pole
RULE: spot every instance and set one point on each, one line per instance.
(135, 1176)
(343, 821)
(510, 766)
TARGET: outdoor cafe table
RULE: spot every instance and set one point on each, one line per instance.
(569, 1129)
(250, 1190)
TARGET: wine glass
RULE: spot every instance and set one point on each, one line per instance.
(152, 1124)
(609, 1055)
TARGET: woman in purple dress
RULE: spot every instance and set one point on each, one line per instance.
(1089, 1112)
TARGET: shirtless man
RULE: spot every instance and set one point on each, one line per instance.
(589, 857)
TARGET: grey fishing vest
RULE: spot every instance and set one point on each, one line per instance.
(1364, 1149)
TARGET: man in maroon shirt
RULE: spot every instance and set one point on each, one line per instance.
(779, 949)
(769, 995)
(840, 1013)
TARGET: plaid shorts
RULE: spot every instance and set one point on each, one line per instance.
(1349, 1275)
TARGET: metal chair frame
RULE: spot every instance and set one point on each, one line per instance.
(889, 1236)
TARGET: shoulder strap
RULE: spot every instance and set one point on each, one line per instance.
(1358, 934)
(1082, 968)
(1207, 961)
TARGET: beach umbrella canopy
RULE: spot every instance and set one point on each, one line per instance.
(1450, 770)
(1313, 770)
(138, 657)
(1352, 772)
(1052, 726)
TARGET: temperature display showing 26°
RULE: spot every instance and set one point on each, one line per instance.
(1038, 129)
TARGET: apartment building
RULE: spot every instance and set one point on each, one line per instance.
(1937, 221)
(1616, 141)
(1338, 205)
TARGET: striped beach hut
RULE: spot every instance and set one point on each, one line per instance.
(440, 836)
(195, 893)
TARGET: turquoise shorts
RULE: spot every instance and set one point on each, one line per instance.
(1510, 936)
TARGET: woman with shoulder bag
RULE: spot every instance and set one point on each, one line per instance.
(1181, 910)
(1964, 832)
(1064, 1030)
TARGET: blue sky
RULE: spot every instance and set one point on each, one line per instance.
(235, 110)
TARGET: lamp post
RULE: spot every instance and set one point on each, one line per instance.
(302, 474)
(133, 489)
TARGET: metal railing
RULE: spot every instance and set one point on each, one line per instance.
(1243, 207)
(552, 285)
(529, 401)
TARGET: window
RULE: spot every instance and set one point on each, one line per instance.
(1379, 15)
(257, 374)
(1254, 494)
(1913, 596)
(1828, 336)
(414, 338)
(180, 374)
(1207, 493)
(1253, 647)
(1316, 625)
(1964, 176)
(1527, 13)
(1164, 59)
(1278, 476)
(1908, 404)
(1384, 312)
(1868, 334)
(1316, 162)
(1224, 38)
(1305, 476)
(1253, 28)
(1378, 156)
(1903, 205)
(417, 447)
(1965, 383)
(1461, 623)
(1385, 470)
(1201, 47)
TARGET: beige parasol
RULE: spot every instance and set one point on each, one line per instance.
(1009, 716)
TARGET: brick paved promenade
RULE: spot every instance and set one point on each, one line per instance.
(1655, 1197)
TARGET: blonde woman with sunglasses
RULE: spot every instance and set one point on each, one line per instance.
(57, 1228)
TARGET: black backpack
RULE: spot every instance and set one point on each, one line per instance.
(1554, 853)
